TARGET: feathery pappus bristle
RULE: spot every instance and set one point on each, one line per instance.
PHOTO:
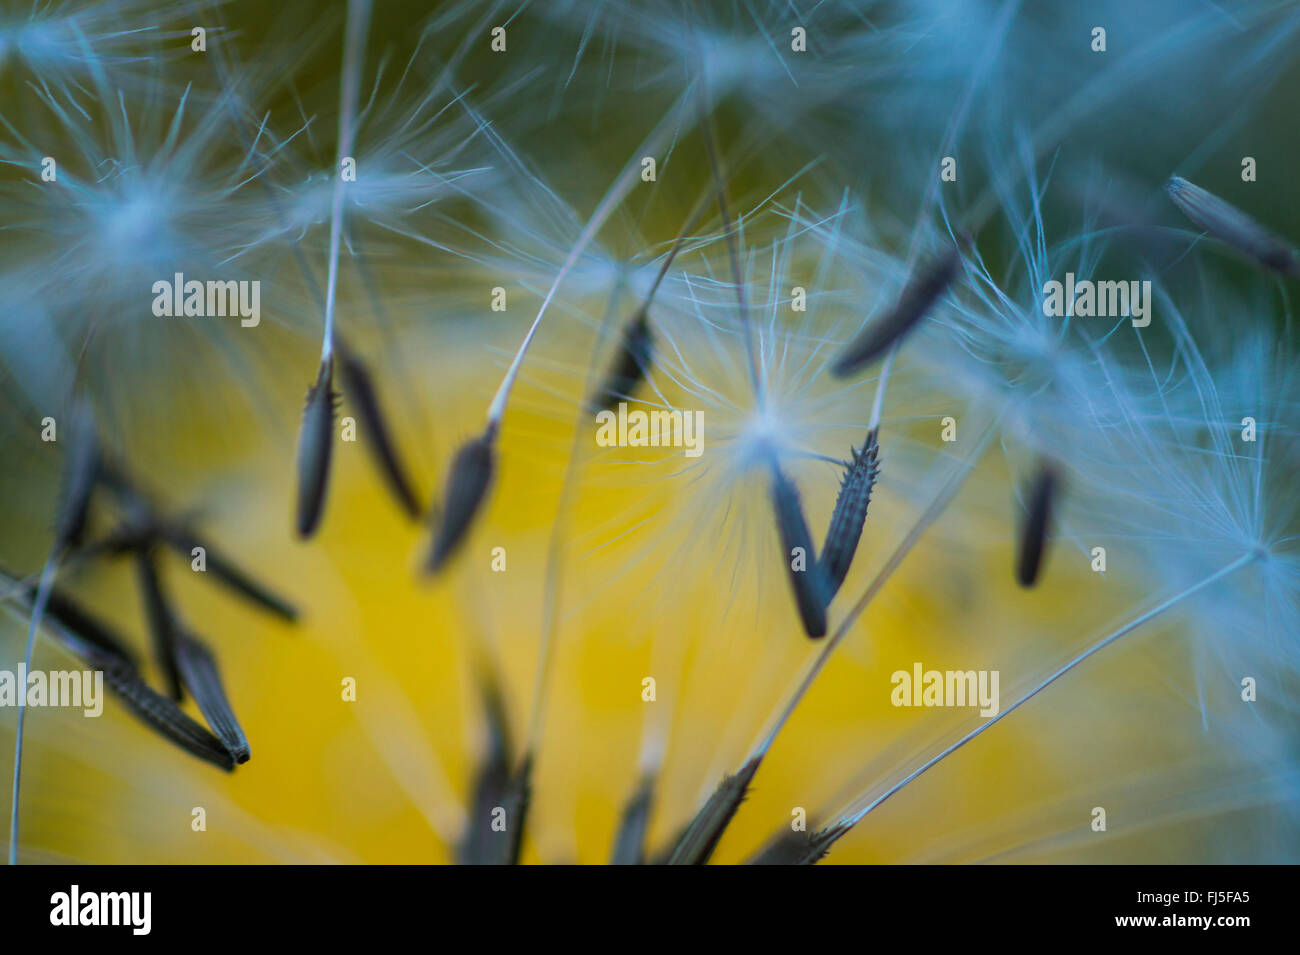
(359, 390)
(467, 486)
(850, 514)
(1037, 523)
(1233, 227)
(797, 552)
(922, 291)
(315, 446)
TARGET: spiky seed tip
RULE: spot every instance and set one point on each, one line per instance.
(800, 848)
(467, 486)
(705, 831)
(820, 843)
(80, 470)
(198, 669)
(1037, 525)
(850, 514)
(1230, 225)
(315, 444)
(359, 389)
(806, 577)
(630, 366)
(785, 848)
(920, 294)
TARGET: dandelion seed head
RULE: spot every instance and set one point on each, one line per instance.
(643, 560)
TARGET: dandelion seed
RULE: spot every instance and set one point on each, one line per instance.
(315, 444)
(820, 843)
(635, 352)
(1037, 525)
(701, 837)
(1230, 225)
(518, 800)
(72, 616)
(184, 541)
(199, 671)
(810, 592)
(785, 848)
(315, 441)
(467, 486)
(925, 288)
(492, 786)
(163, 715)
(850, 514)
(629, 840)
(360, 391)
(799, 848)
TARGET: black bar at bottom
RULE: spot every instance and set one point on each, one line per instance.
(234, 904)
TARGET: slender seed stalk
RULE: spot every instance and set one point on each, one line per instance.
(622, 184)
(349, 81)
(38, 611)
(733, 248)
(848, 820)
(80, 475)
